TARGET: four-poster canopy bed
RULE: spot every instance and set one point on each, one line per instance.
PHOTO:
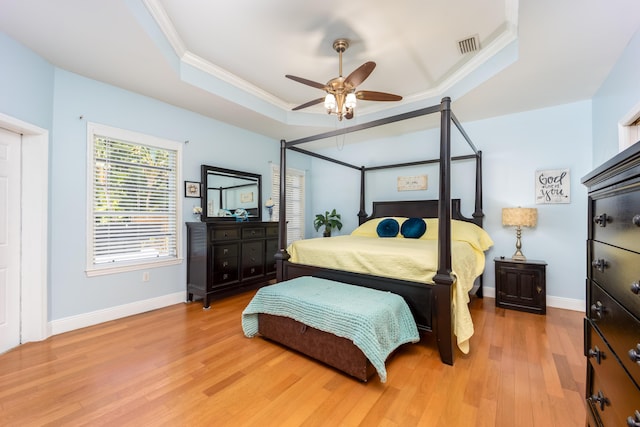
(431, 305)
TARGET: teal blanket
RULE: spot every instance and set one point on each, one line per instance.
(377, 322)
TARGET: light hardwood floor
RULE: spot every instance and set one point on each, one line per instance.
(183, 366)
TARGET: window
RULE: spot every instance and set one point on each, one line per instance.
(295, 201)
(132, 193)
(629, 128)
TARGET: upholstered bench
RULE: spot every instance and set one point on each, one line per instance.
(351, 328)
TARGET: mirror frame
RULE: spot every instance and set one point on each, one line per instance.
(207, 170)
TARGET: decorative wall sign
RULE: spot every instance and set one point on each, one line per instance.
(412, 183)
(191, 189)
(553, 186)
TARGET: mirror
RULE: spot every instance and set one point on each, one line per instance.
(231, 195)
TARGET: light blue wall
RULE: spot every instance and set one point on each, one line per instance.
(617, 96)
(79, 100)
(62, 102)
(513, 147)
(26, 84)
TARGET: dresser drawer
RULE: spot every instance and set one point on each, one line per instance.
(618, 272)
(620, 329)
(221, 277)
(272, 230)
(611, 394)
(224, 233)
(617, 220)
(253, 259)
(270, 261)
(225, 251)
(253, 233)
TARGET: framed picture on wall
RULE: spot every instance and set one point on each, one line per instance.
(191, 189)
(246, 197)
(553, 186)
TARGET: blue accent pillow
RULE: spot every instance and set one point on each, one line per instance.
(413, 228)
(388, 227)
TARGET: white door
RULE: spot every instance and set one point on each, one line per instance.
(9, 240)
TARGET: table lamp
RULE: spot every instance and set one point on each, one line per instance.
(269, 204)
(519, 217)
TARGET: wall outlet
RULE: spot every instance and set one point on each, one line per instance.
(145, 276)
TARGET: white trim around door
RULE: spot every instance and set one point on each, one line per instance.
(34, 233)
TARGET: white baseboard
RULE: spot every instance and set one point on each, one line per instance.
(99, 316)
(105, 315)
(556, 302)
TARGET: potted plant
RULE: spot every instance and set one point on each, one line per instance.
(329, 220)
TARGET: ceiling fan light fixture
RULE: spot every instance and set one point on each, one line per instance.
(350, 102)
(341, 96)
(330, 103)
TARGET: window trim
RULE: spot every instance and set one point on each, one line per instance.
(142, 139)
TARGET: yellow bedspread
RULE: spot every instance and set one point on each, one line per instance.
(408, 259)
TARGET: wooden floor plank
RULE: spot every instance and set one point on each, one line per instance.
(182, 365)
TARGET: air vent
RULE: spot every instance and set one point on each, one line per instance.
(469, 45)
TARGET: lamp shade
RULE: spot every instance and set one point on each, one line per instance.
(269, 203)
(330, 102)
(523, 217)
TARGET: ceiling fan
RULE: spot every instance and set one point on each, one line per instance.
(341, 91)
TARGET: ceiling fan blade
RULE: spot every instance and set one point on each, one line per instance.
(369, 95)
(360, 74)
(306, 82)
(308, 104)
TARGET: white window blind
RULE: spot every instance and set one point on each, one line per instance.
(295, 201)
(133, 202)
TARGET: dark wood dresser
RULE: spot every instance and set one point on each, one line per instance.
(225, 258)
(612, 323)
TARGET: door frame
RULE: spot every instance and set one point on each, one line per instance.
(34, 212)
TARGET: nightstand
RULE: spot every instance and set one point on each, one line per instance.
(521, 285)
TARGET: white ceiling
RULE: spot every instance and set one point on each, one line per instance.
(227, 60)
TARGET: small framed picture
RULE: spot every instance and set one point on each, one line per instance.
(553, 186)
(191, 189)
(246, 197)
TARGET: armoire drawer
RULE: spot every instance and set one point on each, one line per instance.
(619, 328)
(612, 395)
(617, 221)
(618, 272)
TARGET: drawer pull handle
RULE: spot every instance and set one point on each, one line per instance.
(602, 220)
(225, 263)
(635, 288)
(597, 354)
(635, 420)
(634, 355)
(636, 220)
(600, 264)
(225, 276)
(600, 399)
(597, 309)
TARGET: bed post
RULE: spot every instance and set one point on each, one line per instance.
(443, 288)
(362, 215)
(282, 255)
(478, 214)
